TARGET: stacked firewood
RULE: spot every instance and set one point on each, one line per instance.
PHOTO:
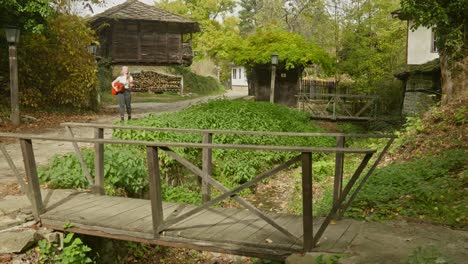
(150, 81)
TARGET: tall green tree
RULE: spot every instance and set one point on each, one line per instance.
(247, 14)
(373, 43)
(449, 22)
(29, 15)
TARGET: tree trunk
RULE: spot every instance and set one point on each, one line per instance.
(453, 78)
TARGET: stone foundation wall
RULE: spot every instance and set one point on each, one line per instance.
(422, 90)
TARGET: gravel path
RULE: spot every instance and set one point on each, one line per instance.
(45, 150)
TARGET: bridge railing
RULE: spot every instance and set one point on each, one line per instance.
(339, 106)
(343, 196)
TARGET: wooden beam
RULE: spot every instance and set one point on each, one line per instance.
(79, 155)
(371, 170)
(155, 188)
(346, 190)
(189, 145)
(230, 193)
(360, 96)
(180, 242)
(33, 180)
(194, 169)
(207, 167)
(369, 103)
(24, 187)
(99, 162)
(219, 131)
(307, 194)
(339, 163)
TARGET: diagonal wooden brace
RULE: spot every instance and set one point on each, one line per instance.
(230, 193)
(194, 169)
(346, 190)
(80, 158)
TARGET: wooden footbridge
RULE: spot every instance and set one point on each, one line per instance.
(247, 231)
(347, 107)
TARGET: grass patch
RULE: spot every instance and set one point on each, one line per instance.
(430, 189)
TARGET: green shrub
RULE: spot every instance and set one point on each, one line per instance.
(125, 170)
(73, 252)
(429, 188)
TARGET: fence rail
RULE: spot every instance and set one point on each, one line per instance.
(342, 196)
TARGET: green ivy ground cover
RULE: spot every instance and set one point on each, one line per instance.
(125, 167)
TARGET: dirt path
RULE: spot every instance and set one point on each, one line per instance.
(45, 150)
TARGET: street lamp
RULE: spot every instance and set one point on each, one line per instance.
(12, 36)
(274, 62)
(92, 48)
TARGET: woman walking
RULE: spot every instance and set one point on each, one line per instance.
(125, 96)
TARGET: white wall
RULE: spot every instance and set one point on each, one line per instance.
(240, 78)
(420, 45)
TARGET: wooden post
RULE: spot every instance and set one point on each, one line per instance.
(339, 163)
(15, 112)
(272, 84)
(307, 201)
(155, 188)
(207, 167)
(99, 162)
(33, 180)
(334, 106)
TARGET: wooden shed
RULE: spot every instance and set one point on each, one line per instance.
(287, 83)
(134, 33)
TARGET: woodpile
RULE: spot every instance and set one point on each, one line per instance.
(154, 82)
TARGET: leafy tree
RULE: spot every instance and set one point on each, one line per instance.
(55, 69)
(293, 49)
(249, 8)
(449, 22)
(30, 15)
(373, 43)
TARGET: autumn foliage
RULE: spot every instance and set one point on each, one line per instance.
(55, 69)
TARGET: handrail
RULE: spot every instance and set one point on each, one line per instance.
(193, 145)
(153, 148)
(339, 95)
(220, 131)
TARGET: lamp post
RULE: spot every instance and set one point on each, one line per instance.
(274, 62)
(12, 35)
(92, 48)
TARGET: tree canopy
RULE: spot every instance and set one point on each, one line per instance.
(293, 50)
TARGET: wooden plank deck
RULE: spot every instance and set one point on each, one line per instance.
(225, 230)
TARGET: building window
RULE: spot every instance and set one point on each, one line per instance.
(433, 42)
(234, 73)
(240, 73)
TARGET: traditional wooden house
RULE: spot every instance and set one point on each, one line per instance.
(134, 33)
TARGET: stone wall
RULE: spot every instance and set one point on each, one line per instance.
(422, 92)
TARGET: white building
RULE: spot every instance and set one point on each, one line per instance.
(421, 78)
(239, 79)
(421, 46)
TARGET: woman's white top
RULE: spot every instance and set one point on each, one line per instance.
(123, 79)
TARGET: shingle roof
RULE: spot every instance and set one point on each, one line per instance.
(136, 10)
